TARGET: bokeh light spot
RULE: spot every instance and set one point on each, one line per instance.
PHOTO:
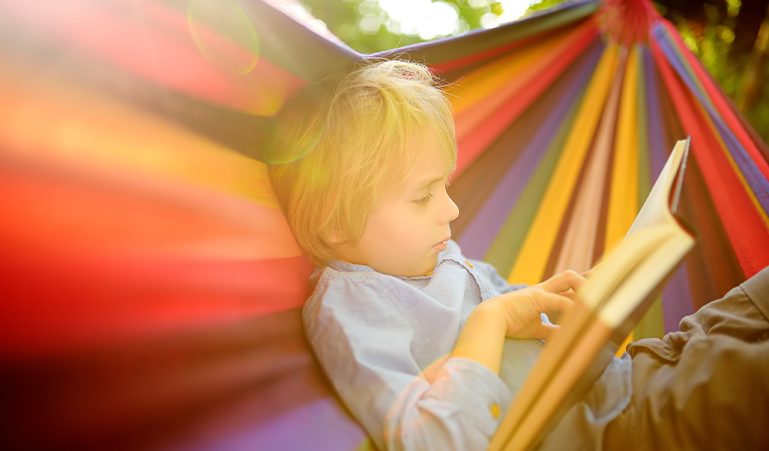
(224, 35)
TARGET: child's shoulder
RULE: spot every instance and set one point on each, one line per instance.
(345, 298)
(338, 286)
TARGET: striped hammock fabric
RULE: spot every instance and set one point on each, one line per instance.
(151, 287)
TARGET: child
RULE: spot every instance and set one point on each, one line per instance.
(426, 347)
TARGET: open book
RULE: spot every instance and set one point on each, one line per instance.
(613, 301)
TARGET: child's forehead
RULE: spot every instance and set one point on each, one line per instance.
(428, 157)
(429, 168)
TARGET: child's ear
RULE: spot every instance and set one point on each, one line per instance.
(336, 237)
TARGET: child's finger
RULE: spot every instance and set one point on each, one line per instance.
(569, 294)
(551, 301)
(563, 282)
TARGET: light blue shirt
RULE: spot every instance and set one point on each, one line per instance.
(384, 342)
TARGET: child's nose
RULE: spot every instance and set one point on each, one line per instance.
(450, 212)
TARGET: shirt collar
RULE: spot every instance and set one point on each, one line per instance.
(354, 267)
(349, 267)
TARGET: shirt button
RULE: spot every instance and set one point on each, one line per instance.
(469, 264)
(495, 411)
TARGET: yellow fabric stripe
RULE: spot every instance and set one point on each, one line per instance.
(532, 260)
(47, 119)
(577, 251)
(490, 78)
(623, 196)
(623, 346)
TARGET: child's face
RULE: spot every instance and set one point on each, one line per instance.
(405, 233)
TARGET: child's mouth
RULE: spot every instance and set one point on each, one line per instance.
(441, 245)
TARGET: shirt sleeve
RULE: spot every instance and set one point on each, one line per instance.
(490, 273)
(364, 344)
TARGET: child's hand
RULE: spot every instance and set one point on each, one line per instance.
(521, 309)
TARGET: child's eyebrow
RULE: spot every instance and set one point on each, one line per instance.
(427, 183)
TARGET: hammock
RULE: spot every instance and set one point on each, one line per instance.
(151, 287)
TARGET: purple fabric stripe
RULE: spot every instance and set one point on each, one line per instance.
(676, 295)
(485, 226)
(753, 176)
(676, 299)
(657, 150)
(321, 426)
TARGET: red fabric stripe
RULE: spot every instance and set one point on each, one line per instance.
(57, 302)
(139, 41)
(720, 103)
(489, 130)
(87, 261)
(46, 207)
(458, 63)
(746, 230)
(712, 262)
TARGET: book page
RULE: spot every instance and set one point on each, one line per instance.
(655, 210)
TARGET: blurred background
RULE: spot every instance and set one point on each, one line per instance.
(151, 290)
(728, 36)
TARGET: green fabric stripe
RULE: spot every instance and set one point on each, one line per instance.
(653, 323)
(644, 176)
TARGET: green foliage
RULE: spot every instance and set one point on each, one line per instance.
(739, 71)
(353, 21)
(343, 18)
(544, 4)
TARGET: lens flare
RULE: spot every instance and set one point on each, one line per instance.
(296, 149)
(224, 35)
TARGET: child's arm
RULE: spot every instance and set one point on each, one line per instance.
(365, 346)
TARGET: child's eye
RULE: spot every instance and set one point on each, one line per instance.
(424, 200)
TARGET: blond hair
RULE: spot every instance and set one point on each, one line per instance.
(340, 143)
